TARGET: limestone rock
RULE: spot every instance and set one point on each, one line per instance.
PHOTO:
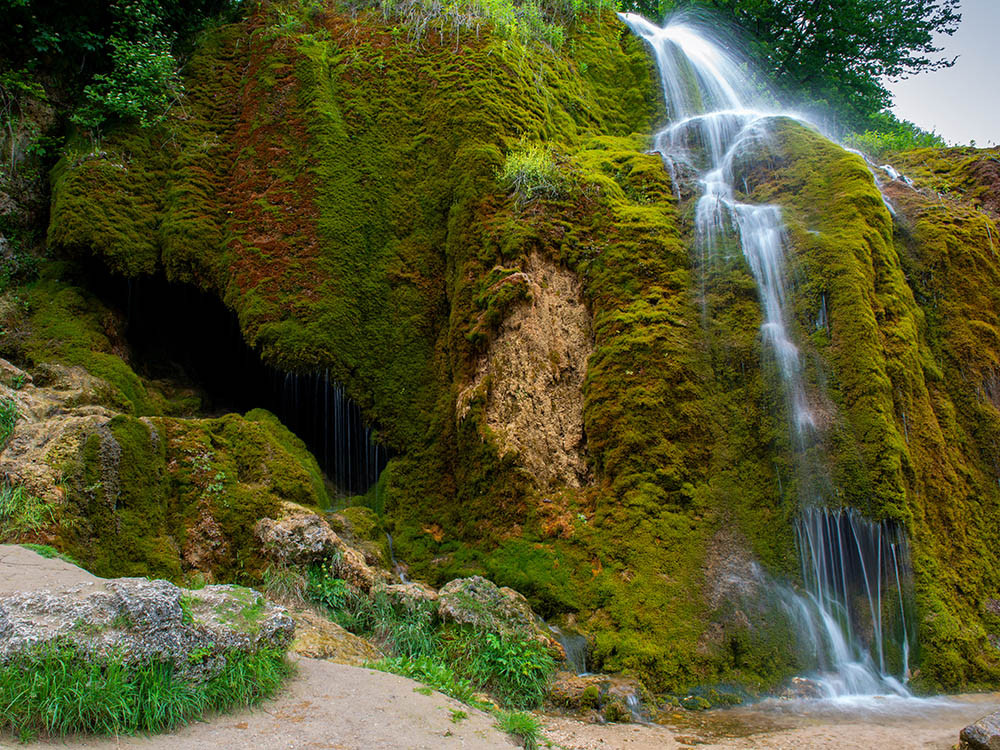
(140, 620)
(983, 735)
(318, 637)
(298, 537)
(598, 697)
(485, 606)
(301, 537)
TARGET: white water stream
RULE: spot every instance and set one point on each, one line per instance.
(855, 571)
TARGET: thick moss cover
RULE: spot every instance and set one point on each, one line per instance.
(334, 182)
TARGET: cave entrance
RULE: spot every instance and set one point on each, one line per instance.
(177, 332)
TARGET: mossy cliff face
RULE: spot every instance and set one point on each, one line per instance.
(901, 317)
(334, 182)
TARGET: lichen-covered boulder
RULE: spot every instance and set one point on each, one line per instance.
(485, 606)
(139, 620)
(298, 537)
(983, 735)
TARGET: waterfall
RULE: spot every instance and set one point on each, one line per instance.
(318, 410)
(851, 619)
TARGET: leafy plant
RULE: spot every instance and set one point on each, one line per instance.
(513, 669)
(325, 588)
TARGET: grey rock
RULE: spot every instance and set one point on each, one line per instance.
(983, 735)
(138, 620)
(300, 537)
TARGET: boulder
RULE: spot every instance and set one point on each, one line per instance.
(318, 637)
(300, 537)
(485, 606)
(139, 620)
(597, 697)
(297, 537)
(983, 735)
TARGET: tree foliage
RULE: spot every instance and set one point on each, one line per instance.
(835, 53)
(121, 54)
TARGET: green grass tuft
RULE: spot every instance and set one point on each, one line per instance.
(529, 171)
(521, 725)
(58, 690)
(21, 513)
(9, 415)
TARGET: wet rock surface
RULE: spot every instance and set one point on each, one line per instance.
(983, 735)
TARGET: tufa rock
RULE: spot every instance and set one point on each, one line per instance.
(983, 735)
(300, 537)
(139, 620)
(410, 595)
(318, 637)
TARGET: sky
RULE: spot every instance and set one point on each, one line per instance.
(961, 103)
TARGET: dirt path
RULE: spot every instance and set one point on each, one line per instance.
(326, 705)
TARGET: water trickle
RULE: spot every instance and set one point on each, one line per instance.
(852, 617)
(575, 646)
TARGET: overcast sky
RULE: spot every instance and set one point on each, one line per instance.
(961, 103)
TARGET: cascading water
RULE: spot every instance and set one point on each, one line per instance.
(852, 620)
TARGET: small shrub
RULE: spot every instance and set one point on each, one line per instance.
(893, 136)
(513, 669)
(326, 589)
(523, 726)
(530, 172)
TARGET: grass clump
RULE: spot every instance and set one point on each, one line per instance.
(529, 171)
(9, 415)
(50, 552)
(520, 724)
(21, 512)
(57, 689)
(514, 670)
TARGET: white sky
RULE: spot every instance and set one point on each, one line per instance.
(961, 103)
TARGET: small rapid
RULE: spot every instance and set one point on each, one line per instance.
(851, 616)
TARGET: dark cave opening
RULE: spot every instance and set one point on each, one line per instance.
(180, 333)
